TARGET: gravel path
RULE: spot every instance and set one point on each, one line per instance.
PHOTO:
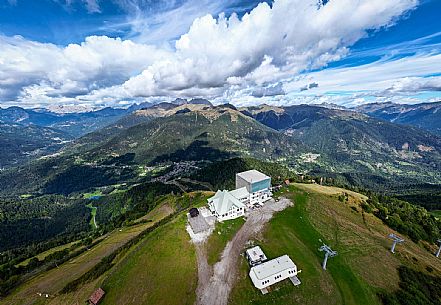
(214, 284)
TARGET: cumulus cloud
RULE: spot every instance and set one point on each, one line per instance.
(271, 90)
(49, 70)
(414, 84)
(260, 48)
(215, 57)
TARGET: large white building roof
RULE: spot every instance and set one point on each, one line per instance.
(223, 201)
(273, 267)
(252, 176)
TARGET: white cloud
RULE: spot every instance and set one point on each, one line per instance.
(415, 84)
(97, 62)
(379, 76)
(215, 58)
(261, 48)
(163, 21)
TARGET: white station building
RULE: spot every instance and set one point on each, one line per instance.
(252, 188)
(271, 272)
(225, 206)
(257, 184)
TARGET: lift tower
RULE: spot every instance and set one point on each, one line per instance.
(328, 253)
(439, 249)
(396, 239)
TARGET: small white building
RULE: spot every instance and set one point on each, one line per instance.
(225, 206)
(255, 256)
(257, 184)
(273, 271)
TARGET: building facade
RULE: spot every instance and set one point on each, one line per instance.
(225, 206)
(257, 184)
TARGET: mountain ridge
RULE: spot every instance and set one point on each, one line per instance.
(424, 115)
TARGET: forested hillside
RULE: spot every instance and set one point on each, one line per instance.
(19, 143)
(360, 150)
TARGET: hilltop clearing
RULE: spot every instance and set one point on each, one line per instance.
(363, 268)
(162, 266)
(216, 290)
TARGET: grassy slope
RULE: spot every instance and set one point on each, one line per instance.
(43, 255)
(92, 215)
(363, 266)
(161, 270)
(150, 268)
(223, 233)
(92, 194)
(330, 190)
(165, 279)
(54, 280)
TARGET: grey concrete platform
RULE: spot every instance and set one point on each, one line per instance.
(198, 224)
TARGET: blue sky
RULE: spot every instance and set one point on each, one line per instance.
(116, 52)
(63, 22)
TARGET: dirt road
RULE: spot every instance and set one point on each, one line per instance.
(215, 283)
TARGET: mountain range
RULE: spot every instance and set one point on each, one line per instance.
(31, 133)
(426, 115)
(346, 145)
(90, 198)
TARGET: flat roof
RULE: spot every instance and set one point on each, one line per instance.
(256, 253)
(273, 266)
(253, 176)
